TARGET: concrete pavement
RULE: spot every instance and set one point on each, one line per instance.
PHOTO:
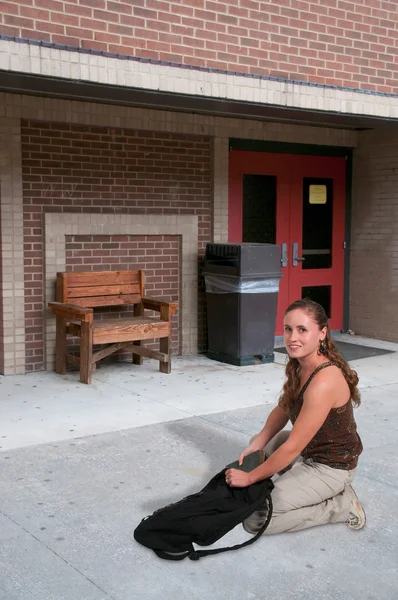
(81, 465)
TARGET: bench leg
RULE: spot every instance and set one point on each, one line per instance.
(165, 347)
(60, 346)
(86, 352)
(137, 358)
(138, 312)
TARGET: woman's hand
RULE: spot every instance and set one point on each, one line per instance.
(237, 478)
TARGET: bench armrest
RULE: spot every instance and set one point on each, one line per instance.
(71, 311)
(160, 305)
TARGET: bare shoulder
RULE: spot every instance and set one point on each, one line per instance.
(328, 383)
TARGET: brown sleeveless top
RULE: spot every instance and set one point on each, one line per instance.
(337, 443)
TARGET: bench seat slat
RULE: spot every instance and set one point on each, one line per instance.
(108, 331)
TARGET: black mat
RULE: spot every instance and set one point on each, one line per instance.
(352, 351)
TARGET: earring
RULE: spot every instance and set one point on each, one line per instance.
(322, 347)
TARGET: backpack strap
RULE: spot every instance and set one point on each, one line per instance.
(197, 554)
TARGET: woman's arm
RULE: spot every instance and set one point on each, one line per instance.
(319, 399)
(276, 421)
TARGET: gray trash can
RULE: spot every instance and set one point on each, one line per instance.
(242, 285)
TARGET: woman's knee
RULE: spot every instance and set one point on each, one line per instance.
(282, 501)
(278, 439)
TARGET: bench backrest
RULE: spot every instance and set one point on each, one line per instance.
(100, 288)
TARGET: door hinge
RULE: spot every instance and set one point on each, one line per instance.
(344, 245)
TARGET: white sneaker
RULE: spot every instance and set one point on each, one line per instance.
(356, 517)
(256, 520)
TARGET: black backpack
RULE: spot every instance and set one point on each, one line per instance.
(203, 518)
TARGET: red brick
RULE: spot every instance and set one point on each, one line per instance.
(33, 13)
(207, 16)
(120, 29)
(108, 38)
(16, 21)
(74, 10)
(50, 27)
(91, 24)
(207, 35)
(63, 39)
(238, 11)
(93, 3)
(52, 5)
(108, 17)
(251, 5)
(248, 42)
(79, 33)
(230, 39)
(158, 5)
(182, 10)
(170, 18)
(11, 8)
(16, 31)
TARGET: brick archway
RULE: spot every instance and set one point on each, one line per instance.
(58, 225)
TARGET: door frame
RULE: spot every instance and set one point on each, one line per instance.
(315, 150)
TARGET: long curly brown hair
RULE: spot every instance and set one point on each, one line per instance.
(292, 384)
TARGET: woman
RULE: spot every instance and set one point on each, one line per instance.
(316, 460)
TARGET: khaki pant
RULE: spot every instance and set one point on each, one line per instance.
(306, 494)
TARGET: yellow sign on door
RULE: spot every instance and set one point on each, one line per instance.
(318, 194)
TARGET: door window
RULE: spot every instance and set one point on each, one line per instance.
(259, 209)
(317, 223)
(321, 294)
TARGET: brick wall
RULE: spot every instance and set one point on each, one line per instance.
(74, 168)
(374, 256)
(1, 303)
(340, 42)
(157, 255)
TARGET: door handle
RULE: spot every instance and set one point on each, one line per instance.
(284, 257)
(296, 257)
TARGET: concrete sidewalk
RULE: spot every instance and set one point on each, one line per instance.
(81, 465)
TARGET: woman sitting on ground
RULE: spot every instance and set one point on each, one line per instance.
(316, 460)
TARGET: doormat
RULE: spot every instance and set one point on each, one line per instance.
(352, 351)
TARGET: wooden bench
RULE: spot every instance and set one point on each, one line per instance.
(77, 294)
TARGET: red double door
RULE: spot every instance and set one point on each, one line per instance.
(297, 202)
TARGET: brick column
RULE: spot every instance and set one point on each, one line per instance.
(12, 271)
(220, 186)
(374, 249)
